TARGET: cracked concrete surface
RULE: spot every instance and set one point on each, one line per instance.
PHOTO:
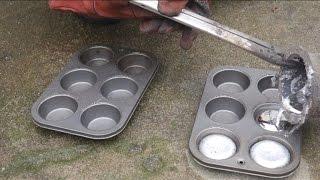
(35, 44)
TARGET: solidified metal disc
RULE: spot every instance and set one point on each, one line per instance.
(270, 154)
(217, 146)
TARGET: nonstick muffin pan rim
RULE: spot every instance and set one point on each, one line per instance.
(203, 123)
(103, 73)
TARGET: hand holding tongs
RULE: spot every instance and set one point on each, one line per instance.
(253, 45)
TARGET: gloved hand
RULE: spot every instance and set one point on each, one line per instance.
(172, 8)
(101, 9)
(151, 23)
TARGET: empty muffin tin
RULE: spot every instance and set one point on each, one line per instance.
(95, 95)
(232, 130)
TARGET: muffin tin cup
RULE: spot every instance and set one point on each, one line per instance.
(231, 110)
(94, 96)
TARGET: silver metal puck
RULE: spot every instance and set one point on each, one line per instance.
(270, 154)
(217, 146)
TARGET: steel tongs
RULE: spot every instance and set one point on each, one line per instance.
(253, 45)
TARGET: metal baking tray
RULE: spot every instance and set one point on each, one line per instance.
(232, 130)
(96, 94)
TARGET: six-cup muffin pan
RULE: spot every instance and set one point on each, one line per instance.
(96, 94)
(233, 130)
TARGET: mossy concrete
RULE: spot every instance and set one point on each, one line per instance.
(35, 44)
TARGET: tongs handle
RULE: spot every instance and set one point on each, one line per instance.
(253, 45)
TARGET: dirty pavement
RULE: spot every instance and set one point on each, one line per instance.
(36, 43)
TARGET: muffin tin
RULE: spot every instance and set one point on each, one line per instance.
(232, 130)
(95, 95)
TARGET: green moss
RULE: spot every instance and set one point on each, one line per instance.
(153, 163)
(2, 100)
(16, 116)
(152, 155)
(34, 161)
(157, 158)
(174, 125)
(121, 146)
(107, 176)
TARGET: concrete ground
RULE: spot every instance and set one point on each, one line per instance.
(35, 44)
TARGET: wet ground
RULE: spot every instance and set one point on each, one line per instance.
(35, 44)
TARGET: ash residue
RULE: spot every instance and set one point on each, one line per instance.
(295, 88)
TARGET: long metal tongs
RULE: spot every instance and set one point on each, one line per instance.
(253, 45)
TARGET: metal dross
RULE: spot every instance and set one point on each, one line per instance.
(233, 129)
(96, 94)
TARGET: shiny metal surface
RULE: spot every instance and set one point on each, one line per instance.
(270, 154)
(217, 146)
(267, 119)
(271, 118)
(253, 45)
(246, 117)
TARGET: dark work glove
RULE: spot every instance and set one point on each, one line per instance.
(172, 8)
(122, 9)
